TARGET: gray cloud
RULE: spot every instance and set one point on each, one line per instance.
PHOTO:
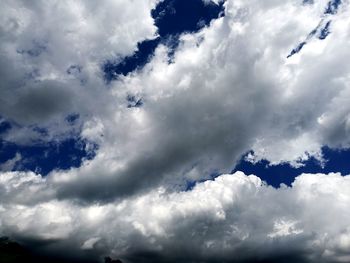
(39, 103)
(235, 218)
(229, 90)
(40, 41)
(224, 95)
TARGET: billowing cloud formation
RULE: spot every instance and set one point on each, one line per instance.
(51, 53)
(228, 89)
(235, 218)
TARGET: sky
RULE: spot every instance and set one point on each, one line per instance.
(176, 131)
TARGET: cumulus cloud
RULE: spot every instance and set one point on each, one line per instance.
(229, 89)
(235, 218)
(51, 53)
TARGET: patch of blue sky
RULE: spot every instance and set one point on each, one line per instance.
(325, 31)
(4, 126)
(332, 7)
(297, 49)
(114, 68)
(45, 155)
(322, 31)
(337, 161)
(43, 158)
(172, 18)
(274, 175)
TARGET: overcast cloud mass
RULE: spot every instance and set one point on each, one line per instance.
(269, 77)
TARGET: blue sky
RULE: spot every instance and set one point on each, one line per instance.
(231, 117)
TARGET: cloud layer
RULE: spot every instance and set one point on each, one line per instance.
(235, 218)
(228, 89)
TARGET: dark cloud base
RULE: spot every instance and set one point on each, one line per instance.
(35, 252)
(31, 251)
(150, 257)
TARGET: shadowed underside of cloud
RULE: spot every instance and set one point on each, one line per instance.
(235, 218)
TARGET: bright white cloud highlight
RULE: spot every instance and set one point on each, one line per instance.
(217, 220)
(229, 89)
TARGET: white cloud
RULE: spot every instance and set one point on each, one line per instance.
(89, 244)
(229, 90)
(40, 41)
(216, 221)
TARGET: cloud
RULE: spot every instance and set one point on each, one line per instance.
(9, 165)
(41, 42)
(228, 90)
(217, 221)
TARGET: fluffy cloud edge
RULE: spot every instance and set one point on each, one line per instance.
(217, 220)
